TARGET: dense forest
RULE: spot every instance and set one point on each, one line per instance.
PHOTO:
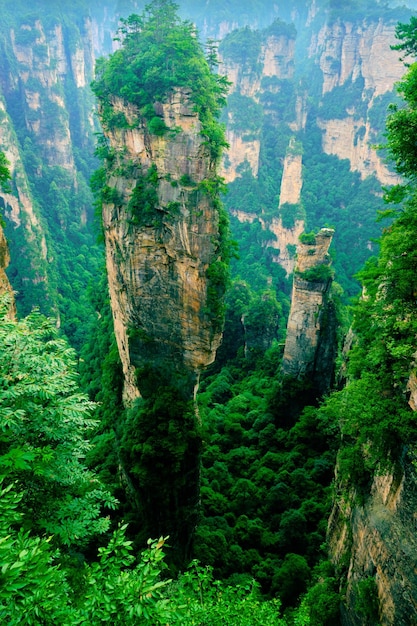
(158, 463)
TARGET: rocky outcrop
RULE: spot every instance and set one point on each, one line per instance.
(276, 60)
(350, 53)
(43, 61)
(46, 132)
(164, 239)
(19, 210)
(239, 151)
(352, 139)
(286, 238)
(285, 242)
(5, 286)
(291, 181)
(349, 50)
(159, 264)
(412, 391)
(310, 346)
(278, 57)
(376, 541)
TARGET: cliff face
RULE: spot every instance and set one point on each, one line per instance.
(158, 265)
(46, 124)
(357, 53)
(285, 242)
(5, 286)
(46, 64)
(378, 541)
(19, 208)
(276, 61)
(351, 139)
(45, 82)
(310, 346)
(287, 238)
(347, 50)
(372, 538)
(334, 76)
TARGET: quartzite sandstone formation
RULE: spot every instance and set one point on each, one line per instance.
(4, 262)
(376, 540)
(310, 346)
(158, 264)
(164, 233)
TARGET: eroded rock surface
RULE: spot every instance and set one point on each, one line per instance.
(377, 540)
(5, 286)
(157, 264)
(310, 345)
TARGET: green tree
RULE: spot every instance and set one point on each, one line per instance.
(44, 421)
(4, 171)
(160, 53)
(407, 35)
(33, 589)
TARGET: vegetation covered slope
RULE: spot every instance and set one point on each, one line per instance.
(376, 409)
(52, 507)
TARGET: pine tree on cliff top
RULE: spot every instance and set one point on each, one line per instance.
(160, 53)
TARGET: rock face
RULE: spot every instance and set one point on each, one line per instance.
(43, 60)
(276, 60)
(347, 50)
(360, 53)
(5, 286)
(412, 390)
(46, 123)
(164, 235)
(292, 181)
(286, 241)
(19, 207)
(378, 541)
(352, 139)
(310, 346)
(158, 265)
(45, 84)
(239, 148)
(353, 73)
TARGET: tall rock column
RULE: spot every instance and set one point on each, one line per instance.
(165, 233)
(163, 253)
(310, 346)
(162, 243)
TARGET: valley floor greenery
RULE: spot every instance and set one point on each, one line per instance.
(269, 445)
(52, 507)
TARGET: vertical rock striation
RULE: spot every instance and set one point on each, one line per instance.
(165, 232)
(5, 286)
(376, 540)
(159, 262)
(356, 56)
(46, 132)
(276, 63)
(310, 346)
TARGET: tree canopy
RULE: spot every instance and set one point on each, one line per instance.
(44, 422)
(4, 172)
(160, 53)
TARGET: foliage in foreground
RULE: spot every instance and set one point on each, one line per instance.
(45, 578)
(44, 422)
(36, 587)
